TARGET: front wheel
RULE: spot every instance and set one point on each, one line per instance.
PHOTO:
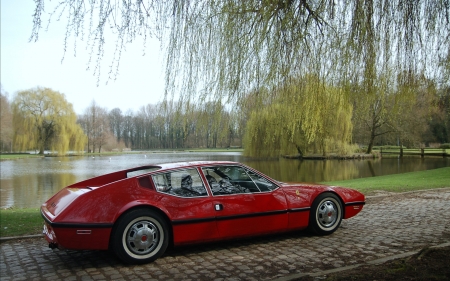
(326, 214)
(140, 236)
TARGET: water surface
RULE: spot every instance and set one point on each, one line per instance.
(29, 182)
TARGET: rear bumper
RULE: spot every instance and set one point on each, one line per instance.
(50, 236)
(75, 236)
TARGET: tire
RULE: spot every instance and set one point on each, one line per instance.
(140, 236)
(326, 214)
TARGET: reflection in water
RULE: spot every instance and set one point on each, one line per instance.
(289, 170)
(30, 182)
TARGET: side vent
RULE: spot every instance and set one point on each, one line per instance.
(145, 182)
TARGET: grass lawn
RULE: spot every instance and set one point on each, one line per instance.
(436, 178)
(17, 222)
(18, 156)
(216, 150)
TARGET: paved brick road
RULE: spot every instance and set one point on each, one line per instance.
(387, 226)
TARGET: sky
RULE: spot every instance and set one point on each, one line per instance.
(26, 65)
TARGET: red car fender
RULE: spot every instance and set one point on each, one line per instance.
(303, 195)
(143, 204)
(353, 200)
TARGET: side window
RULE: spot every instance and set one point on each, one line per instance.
(225, 180)
(183, 183)
(262, 183)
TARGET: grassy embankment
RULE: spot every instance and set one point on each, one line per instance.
(16, 222)
(12, 156)
(18, 156)
(429, 179)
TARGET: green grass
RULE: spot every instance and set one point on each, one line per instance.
(18, 156)
(18, 222)
(216, 150)
(436, 178)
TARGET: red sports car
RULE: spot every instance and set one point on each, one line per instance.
(138, 212)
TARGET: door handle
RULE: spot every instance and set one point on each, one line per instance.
(218, 207)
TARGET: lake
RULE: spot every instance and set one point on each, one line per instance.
(27, 183)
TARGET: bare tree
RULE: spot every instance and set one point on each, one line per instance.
(96, 125)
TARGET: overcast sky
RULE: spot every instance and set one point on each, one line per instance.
(26, 65)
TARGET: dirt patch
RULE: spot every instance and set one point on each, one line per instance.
(428, 264)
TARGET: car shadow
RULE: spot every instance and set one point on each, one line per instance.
(234, 243)
(80, 260)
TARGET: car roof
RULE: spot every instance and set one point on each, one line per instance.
(157, 168)
(173, 165)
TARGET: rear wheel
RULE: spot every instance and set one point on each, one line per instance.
(326, 214)
(140, 236)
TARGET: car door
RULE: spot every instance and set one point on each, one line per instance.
(245, 203)
(189, 204)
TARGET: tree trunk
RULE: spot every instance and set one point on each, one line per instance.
(299, 150)
(369, 148)
(372, 140)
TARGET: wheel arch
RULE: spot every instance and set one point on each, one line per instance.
(143, 207)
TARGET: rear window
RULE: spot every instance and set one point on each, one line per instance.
(141, 171)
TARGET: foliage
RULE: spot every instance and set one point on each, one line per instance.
(445, 146)
(397, 112)
(304, 115)
(6, 125)
(440, 119)
(218, 51)
(43, 119)
(222, 48)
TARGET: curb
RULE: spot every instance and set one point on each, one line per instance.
(372, 262)
(4, 239)
(407, 192)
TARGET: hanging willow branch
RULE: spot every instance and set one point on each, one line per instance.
(221, 49)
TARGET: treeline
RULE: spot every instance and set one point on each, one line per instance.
(264, 122)
(165, 125)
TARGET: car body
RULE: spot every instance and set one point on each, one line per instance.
(138, 212)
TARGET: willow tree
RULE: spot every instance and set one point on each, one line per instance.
(223, 48)
(292, 122)
(43, 119)
(6, 130)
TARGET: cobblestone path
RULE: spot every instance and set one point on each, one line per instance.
(387, 226)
